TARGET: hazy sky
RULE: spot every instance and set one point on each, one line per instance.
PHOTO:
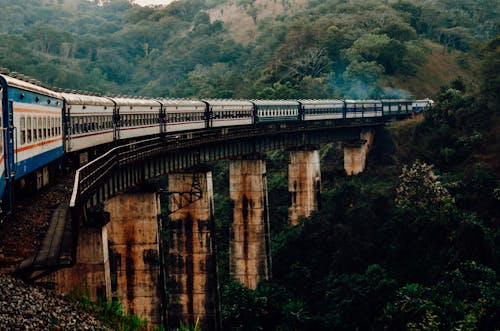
(153, 2)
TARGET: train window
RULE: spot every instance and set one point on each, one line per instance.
(40, 128)
(28, 130)
(35, 135)
(23, 130)
(45, 128)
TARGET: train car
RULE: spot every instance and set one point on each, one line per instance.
(363, 108)
(396, 106)
(88, 121)
(420, 105)
(136, 117)
(32, 116)
(276, 110)
(183, 114)
(229, 112)
(32, 128)
(322, 109)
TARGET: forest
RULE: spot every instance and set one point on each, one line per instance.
(411, 244)
(333, 48)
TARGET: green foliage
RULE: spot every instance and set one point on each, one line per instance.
(269, 307)
(332, 49)
(111, 313)
(419, 189)
(466, 298)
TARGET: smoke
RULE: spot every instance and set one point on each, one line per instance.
(345, 87)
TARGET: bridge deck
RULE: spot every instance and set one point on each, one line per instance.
(56, 249)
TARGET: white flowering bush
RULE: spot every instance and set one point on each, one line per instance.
(419, 187)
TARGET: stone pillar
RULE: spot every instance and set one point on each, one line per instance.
(304, 183)
(90, 274)
(134, 253)
(249, 254)
(192, 286)
(355, 153)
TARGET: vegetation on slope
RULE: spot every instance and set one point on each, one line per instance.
(329, 48)
(397, 249)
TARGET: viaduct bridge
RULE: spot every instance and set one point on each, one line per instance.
(110, 241)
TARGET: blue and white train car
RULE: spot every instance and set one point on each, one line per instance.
(89, 121)
(363, 108)
(397, 106)
(32, 122)
(229, 112)
(322, 109)
(183, 114)
(419, 105)
(276, 110)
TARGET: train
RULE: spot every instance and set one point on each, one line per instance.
(41, 125)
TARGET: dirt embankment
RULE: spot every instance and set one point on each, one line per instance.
(23, 230)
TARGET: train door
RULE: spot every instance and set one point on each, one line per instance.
(208, 115)
(8, 141)
(2, 153)
(162, 118)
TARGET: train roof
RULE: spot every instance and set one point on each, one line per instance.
(124, 101)
(312, 102)
(182, 102)
(396, 100)
(32, 87)
(228, 102)
(363, 101)
(275, 102)
(83, 99)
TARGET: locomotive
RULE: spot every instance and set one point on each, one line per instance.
(41, 125)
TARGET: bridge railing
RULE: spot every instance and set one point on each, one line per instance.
(90, 177)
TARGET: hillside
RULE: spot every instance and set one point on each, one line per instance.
(241, 17)
(264, 49)
(440, 67)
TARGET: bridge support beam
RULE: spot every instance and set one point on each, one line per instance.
(249, 254)
(304, 183)
(91, 273)
(355, 153)
(134, 253)
(191, 263)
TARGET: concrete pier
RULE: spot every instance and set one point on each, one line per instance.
(355, 153)
(304, 183)
(134, 253)
(91, 274)
(193, 293)
(249, 254)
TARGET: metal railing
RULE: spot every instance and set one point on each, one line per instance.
(91, 176)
